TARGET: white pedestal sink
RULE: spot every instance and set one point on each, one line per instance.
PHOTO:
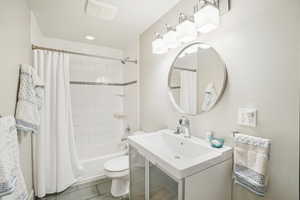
(191, 162)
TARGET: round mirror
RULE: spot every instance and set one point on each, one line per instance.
(197, 79)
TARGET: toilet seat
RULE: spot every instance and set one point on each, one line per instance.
(117, 164)
(117, 167)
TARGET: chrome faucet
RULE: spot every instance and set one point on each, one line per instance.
(184, 124)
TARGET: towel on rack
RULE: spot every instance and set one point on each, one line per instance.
(30, 98)
(210, 97)
(251, 156)
(12, 184)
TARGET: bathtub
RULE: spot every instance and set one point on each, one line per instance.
(93, 168)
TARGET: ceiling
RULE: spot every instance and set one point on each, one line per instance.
(66, 19)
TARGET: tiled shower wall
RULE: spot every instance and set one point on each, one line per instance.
(131, 98)
(97, 132)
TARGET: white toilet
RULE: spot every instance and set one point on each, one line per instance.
(118, 170)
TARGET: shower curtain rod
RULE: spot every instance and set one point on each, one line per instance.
(123, 61)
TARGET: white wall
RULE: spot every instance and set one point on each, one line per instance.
(15, 50)
(258, 41)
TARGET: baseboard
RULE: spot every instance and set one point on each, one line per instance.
(31, 195)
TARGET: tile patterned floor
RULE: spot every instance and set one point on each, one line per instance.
(96, 190)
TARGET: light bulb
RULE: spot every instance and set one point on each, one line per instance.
(207, 18)
(159, 46)
(170, 39)
(186, 30)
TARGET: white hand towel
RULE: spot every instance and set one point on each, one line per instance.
(12, 184)
(188, 92)
(210, 97)
(251, 156)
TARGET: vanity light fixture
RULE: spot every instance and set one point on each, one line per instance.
(158, 45)
(207, 15)
(170, 37)
(186, 29)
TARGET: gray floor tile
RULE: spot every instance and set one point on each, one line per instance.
(99, 190)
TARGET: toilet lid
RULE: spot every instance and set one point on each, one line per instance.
(117, 164)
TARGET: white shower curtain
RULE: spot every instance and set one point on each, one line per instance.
(56, 165)
(188, 91)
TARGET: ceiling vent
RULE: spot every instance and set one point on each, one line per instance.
(96, 8)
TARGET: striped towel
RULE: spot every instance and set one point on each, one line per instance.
(251, 156)
(12, 184)
(29, 100)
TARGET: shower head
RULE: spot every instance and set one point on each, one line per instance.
(127, 59)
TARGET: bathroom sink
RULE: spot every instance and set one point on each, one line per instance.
(178, 156)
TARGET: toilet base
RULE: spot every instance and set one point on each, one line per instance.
(120, 186)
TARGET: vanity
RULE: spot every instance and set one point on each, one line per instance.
(172, 164)
(166, 166)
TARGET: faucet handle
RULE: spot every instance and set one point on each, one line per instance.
(180, 121)
(184, 121)
(178, 129)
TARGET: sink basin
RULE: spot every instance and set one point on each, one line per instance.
(178, 156)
